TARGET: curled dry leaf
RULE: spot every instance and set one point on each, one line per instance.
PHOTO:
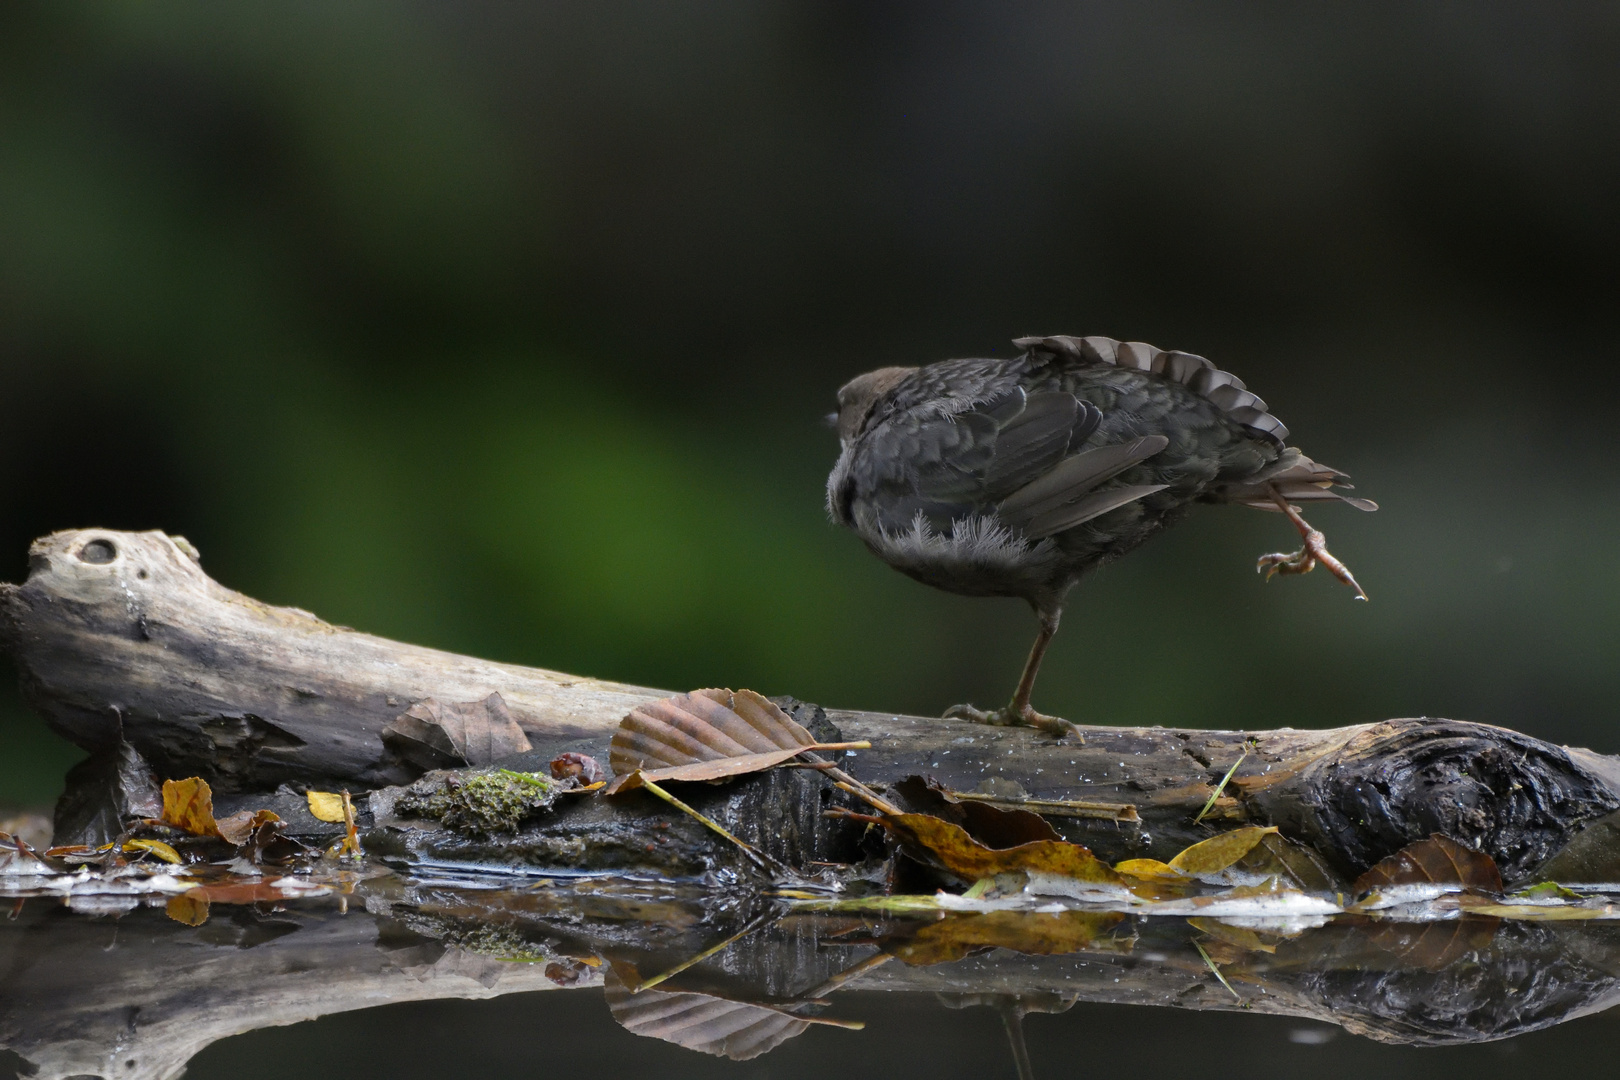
(435, 735)
(1439, 860)
(582, 767)
(949, 847)
(239, 827)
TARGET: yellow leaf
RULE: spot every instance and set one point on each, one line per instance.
(1219, 852)
(189, 805)
(155, 847)
(190, 908)
(326, 805)
(1147, 868)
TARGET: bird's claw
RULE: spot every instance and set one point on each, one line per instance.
(1007, 716)
(1305, 559)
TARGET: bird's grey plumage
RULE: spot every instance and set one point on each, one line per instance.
(1016, 476)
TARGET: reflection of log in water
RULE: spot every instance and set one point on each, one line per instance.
(123, 633)
(92, 996)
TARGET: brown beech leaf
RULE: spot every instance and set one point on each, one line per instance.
(189, 805)
(434, 735)
(237, 828)
(710, 1025)
(1439, 860)
(718, 769)
(950, 847)
(704, 725)
(1035, 933)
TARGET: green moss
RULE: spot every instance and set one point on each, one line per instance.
(481, 803)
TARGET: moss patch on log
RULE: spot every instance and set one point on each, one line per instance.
(480, 803)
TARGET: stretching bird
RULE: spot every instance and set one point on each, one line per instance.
(1016, 477)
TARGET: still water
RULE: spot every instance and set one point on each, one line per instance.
(390, 976)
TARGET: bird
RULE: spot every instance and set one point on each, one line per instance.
(1016, 477)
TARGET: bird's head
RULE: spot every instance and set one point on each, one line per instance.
(856, 398)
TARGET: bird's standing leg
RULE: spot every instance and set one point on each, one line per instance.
(1305, 559)
(1019, 712)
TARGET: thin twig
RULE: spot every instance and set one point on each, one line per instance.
(1216, 970)
(764, 861)
(1220, 787)
(1079, 808)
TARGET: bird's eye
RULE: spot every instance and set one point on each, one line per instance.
(830, 420)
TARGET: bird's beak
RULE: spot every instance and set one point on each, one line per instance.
(830, 420)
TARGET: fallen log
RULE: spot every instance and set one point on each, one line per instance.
(120, 639)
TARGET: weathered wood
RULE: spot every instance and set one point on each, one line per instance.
(123, 634)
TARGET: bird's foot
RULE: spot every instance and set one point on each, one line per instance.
(1008, 716)
(1305, 559)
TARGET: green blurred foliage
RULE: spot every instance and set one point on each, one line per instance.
(507, 330)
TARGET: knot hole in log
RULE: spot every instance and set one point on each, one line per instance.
(1519, 798)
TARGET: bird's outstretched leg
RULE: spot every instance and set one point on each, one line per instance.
(1019, 712)
(1305, 559)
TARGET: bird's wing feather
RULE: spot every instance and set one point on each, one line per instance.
(1083, 509)
(1044, 497)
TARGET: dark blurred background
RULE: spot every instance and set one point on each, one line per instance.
(507, 328)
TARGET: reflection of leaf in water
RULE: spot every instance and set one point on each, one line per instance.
(1241, 937)
(190, 908)
(709, 1025)
(1439, 860)
(1036, 933)
(1432, 946)
(950, 847)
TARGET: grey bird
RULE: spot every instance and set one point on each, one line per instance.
(1016, 477)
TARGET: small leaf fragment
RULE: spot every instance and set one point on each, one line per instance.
(1150, 869)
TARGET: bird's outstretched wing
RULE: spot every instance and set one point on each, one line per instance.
(1017, 456)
